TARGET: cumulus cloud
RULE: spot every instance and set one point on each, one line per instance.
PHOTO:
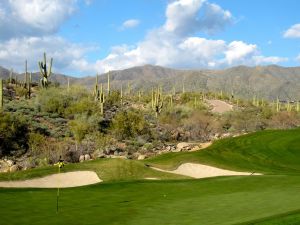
(174, 45)
(33, 17)
(293, 32)
(33, 23)
(67, 56)
(183, 17)
(130, 23)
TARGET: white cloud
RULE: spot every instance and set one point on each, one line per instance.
(174, 45)
(130, 23)
(239, 52)
(66, 55)
(183, 17)
(269, 60)
(33, 17)
(293, 32)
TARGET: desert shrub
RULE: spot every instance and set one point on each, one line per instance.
(284, 120)
(13, 134)
(21, 91)
(245, 120)
(53, 100)
(103, 140)
(36, 141)
(114, 98)
(174, 116)
(200, 126)
(129, 124)
(83, 125)
(84, 105)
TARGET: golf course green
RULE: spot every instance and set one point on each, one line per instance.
(126, 198)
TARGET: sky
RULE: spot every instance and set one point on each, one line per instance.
(86, 37)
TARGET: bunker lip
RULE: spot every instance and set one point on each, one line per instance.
(62, 180)
(202, 171)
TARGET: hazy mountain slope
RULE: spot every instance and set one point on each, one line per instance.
(262, 81)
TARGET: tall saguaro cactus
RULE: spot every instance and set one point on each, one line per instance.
(158, 101)
(28, 85)
(1, 93)
(96, 90)
(45, 72)
(102, 100)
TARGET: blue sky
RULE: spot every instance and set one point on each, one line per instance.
(89, 36)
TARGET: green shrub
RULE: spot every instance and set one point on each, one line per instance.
(13, 134)
(129, 124)
(53, 100)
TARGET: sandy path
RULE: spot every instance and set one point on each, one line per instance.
(63, 180)
(201, 171)
(220, 106)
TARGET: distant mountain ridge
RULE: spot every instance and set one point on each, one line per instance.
(263, 81)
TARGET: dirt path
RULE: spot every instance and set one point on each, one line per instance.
(219, 106)
(62, 180)
(201, 171)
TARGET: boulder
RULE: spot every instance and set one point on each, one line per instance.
(81, 158)
(9, 162)
(87, 157)
(182, 145)
(13, 168)
(141, 157)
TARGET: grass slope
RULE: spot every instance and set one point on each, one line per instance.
(259, 200)
(222, 201)
(268, 152)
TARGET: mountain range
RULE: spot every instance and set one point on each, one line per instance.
(267, 82)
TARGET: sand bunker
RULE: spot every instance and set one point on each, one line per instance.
(62, 180)
(220, 106)
(201, 171)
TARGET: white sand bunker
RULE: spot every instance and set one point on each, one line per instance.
(201, 171)
(220, 106)
(62, 180)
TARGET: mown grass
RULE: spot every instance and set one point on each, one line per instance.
(268, 152)
(125, 198)
(222, 201)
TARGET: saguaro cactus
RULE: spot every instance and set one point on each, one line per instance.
(28, 85)
(45, 72)
(26, 75)
(277, 105)
(158, 101)
(1, 93)
(102, 99)
(96, 90)
(121, 95)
